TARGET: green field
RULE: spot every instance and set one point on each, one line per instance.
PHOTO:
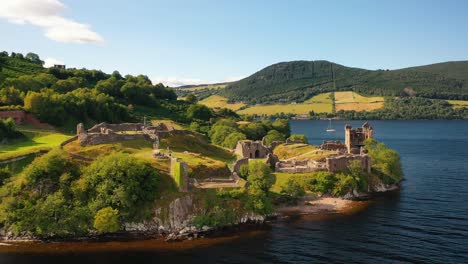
(216, 101)
(458, 103)
(35, 141)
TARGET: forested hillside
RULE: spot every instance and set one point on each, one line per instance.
(300, 80)
(63, 97)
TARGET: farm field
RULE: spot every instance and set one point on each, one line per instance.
(348, 101)
(216, 101)
(458, 103)
(35, 141)
(209, 87)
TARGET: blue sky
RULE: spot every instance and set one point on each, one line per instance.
(181, 42)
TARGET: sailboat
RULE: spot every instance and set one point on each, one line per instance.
(330, 128)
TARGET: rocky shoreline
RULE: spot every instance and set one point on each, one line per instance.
(177, 225)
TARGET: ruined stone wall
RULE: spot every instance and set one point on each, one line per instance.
(97, 138)
(341, 163)
(251, 149)
(300, 166)
(237, 165)
(116, 127)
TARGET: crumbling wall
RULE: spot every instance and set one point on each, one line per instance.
(251, 149)
(341, 163)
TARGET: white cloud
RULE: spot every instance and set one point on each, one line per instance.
(176, 82)
(49, 62)
(46, 14)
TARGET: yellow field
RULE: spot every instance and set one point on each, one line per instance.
(287, 108)
(353, 101)
(458, 103)
(216, 101)
(321, 103)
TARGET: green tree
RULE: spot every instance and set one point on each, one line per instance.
(122, 182)
(106, 220)
(293, 191)
(323, 182)
(191, 98)
(282, 126)
(231, 140)
(34, 58)
(199, 111)
(273, 135)
(259, 184)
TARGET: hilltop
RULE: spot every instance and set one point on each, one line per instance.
(300, 80)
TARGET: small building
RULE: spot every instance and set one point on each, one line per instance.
(59, 66)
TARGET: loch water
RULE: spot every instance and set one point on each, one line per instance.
(425, 222)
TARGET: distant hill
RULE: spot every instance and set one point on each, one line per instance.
(300, 80)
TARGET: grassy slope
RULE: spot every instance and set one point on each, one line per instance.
(301, 151)
(35, 141)
(216, 101)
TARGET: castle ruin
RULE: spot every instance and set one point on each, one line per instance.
(354, 138)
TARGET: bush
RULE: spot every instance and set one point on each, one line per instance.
(106, 220)
(292, 191)
(323, 182)
(120, 181)
(299, 137)
(231, 140)
(385, 161)
(198, 111)
(273, 135)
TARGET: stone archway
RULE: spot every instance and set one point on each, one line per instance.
(257, 154)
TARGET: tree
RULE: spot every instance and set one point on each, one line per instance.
(11, 96)
(323, 182)
(4, 175)
(260, 182)
(191, 98)
(34, 58)
(106, 220)
(231, 140)
(282, 126)
(199, 111)
(273, 135)
(120, 181)
(292, 191)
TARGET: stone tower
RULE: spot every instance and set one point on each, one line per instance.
(354, 138)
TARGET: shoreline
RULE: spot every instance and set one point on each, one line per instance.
(323, 206)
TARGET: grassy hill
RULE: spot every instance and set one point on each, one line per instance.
(300, 80)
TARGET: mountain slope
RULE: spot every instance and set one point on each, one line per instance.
(299, 80)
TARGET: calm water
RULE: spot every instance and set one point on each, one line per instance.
(426, 222)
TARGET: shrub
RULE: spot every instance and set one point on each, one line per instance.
(106, 220)
(299, 137)
(323, 182)
(292, 191)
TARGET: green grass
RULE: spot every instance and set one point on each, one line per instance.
(34, 141)
(325, 98)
